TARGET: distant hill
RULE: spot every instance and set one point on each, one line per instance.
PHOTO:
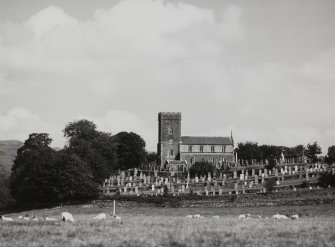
(8, 151)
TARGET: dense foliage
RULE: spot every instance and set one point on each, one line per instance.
(249, 151)
(327, 180)
(202, 168)
(330, 158)
(40, 174)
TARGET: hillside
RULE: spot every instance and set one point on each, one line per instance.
(8, 151)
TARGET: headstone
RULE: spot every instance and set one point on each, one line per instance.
(241, 176)
(253, 172)
(153, 187)
(235, 174)
(220, 192)
(256, 179)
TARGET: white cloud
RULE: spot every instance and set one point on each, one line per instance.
(115, 121)
(47, 19)
(148, 56)
(19, 122)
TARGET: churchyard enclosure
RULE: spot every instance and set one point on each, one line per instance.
(222, 182)
(169, 227)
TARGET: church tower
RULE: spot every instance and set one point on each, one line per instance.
(169, 136)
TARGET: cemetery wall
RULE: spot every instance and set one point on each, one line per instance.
(299, 197)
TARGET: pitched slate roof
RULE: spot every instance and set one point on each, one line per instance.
(206, 140)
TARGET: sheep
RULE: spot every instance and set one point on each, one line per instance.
(66, 216)
(189, 216)
(101, 216)
(198, 216)
(118, 218)
(216, 217)
(50, 219)
(4, 218)
(26, 217)
(242, 216)
(279, 217)
(35, 218)
(294, 217)
(20, 217)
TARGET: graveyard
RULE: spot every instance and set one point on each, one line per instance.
(233, 181)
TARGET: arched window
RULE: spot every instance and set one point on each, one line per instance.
(190, 148)
(201, 149)
(170, 131)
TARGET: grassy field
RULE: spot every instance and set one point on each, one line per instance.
(169, 227)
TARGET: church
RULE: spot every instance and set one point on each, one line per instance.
(178, 153)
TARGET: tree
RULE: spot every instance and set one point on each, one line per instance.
(312, 151)
(95, 148)
(33, 173)
(151, 157)
(74, 178)
(330, 158)
(202, 168)
(130, 149)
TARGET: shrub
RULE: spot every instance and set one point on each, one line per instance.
(270, 184)
(327, 179)
(202, 168)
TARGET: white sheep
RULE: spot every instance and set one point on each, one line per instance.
(118, 218)
(101, 216)
(242, 216)
(198, 216)
(50, 219)
(279, 217)
(66, 216)
(4, 218)
(188, 216)
(294, 217)
(20, 217)
(216, 217)
(35, 218)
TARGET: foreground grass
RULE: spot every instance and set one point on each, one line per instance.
(169, 227)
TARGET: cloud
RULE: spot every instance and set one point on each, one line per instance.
(142, 57)
(115, 121)
(18, 122)
(47, 19)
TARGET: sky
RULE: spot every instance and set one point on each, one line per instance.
(264, 70)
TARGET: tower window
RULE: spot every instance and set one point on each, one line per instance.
(171, 152)
(190, 148)
(212, 149)
(201, 149)
(170, 131)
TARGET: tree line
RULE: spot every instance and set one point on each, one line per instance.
(248, 151)
(41, 174)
